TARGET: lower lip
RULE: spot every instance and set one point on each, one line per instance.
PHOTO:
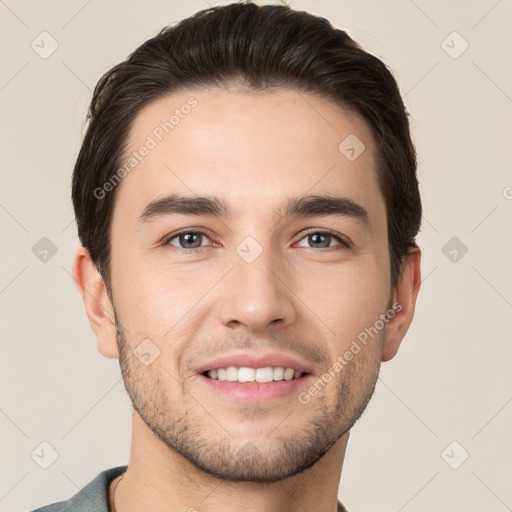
(256, 392)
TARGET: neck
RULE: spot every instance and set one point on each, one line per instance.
(158, 479)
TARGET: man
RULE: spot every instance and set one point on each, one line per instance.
(247, 202)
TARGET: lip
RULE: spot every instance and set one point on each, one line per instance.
(247, 360)
(255, 392)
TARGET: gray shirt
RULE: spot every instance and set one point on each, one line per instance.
(94, 496)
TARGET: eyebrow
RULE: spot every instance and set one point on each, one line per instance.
(304, 206)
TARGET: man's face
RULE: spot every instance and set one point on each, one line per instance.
(259, 289)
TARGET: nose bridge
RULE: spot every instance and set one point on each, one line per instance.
(255, 292)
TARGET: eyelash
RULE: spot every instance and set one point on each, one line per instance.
(345, 244)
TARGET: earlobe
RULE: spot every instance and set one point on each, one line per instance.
(404, 296)
(98, 306)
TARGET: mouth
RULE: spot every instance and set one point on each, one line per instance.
(251, 378)
(261, 375)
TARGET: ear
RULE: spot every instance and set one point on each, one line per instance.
(96, 301)
(404, 296)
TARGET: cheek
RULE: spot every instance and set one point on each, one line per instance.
(347, 299)
(160, 301)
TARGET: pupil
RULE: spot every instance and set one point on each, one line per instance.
(317, 239)
(189, 239)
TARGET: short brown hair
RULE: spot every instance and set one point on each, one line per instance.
(261, 47)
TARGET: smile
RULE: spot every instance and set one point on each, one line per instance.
(260, 375)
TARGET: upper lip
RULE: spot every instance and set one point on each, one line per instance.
(253, 360)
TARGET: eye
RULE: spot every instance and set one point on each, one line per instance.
(196, 239)
(187, 240)
(323, 239)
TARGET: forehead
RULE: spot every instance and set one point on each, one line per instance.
(252, 149)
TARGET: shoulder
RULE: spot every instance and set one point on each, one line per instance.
(94, 496)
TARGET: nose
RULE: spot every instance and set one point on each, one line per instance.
(257, 295)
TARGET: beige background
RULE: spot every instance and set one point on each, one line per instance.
(451, 380)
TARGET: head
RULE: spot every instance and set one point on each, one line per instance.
(247, 188)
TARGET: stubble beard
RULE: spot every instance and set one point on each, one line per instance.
(188, 431)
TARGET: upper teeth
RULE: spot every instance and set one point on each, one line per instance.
(267, 374)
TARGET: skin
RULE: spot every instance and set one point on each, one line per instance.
(191, 447)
